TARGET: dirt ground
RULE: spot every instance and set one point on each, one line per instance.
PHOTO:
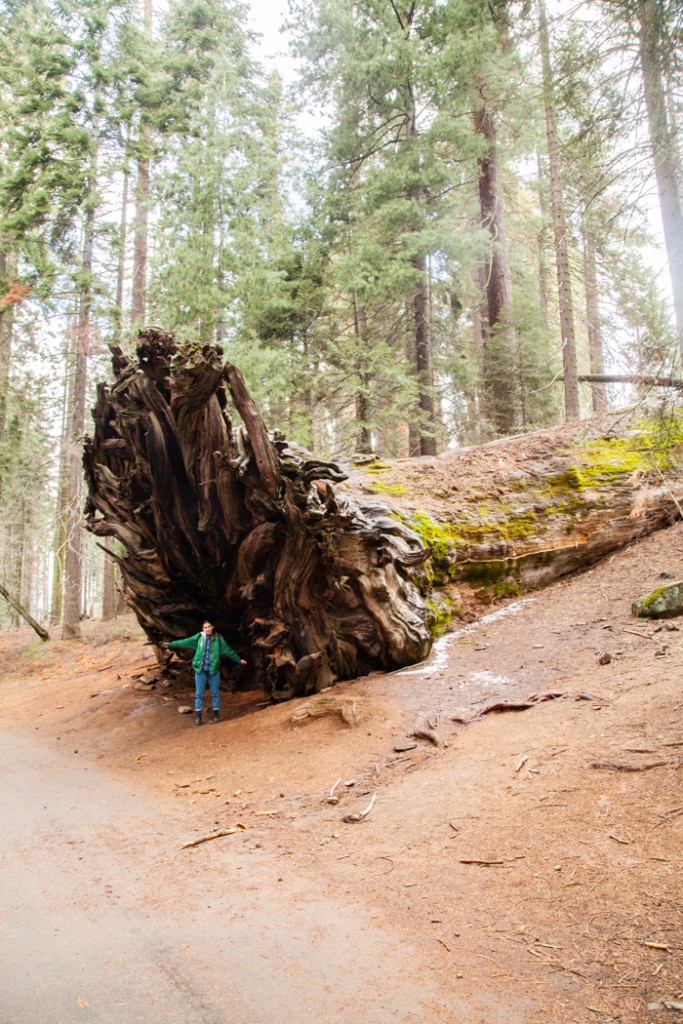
(533, 856)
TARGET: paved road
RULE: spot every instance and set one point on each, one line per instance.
(105, 920)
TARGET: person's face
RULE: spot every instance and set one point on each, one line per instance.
(208, 628)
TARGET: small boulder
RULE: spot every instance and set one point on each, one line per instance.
(662, 603)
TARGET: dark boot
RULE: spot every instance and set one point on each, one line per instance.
(197, 718)
(214, 717)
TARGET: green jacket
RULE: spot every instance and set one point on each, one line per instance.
(196, 643)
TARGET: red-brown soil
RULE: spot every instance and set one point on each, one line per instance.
(534, 857)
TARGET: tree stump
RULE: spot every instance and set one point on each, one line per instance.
(225, 521)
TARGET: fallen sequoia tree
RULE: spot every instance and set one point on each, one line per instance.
(224, 521)
(307, 574)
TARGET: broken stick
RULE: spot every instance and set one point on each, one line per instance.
(206, 839)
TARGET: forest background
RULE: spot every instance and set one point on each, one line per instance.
(449, 214)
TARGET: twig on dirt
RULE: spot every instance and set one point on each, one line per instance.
(105, 667)
(362, 815)
(491, 863)
(507, 706)
(521, 763)
(614, 766)
(643, 636)
(206, 839)
(447, 948)
(658, 945)
(624, 842)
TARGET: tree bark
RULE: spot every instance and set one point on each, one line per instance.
(73, 568)
(360, 326)
(595, 351)
(142, 202)
(560, 230)
(422, 342)
(226, 521)
(499, 334)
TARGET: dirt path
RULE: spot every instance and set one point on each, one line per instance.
(524, 869)
(109, 920)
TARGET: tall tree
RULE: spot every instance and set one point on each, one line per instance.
(560, 228)
(655, 51)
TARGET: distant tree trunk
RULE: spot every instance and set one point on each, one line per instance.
(360, 326)
(59, 539)
(73, 568)
(142, 204)
(423, 362)
(108, 589)
(560, 231)
(595, 352)
(664, 151)
(7, 271)
(499, 335)
(543, 287)
(422, 342)
(123, 231)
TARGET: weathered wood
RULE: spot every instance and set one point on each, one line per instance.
(309, 585)
(19, 608)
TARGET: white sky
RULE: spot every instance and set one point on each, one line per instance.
(266, 18)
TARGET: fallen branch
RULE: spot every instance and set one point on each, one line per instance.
(638, 380)
(614, 766)
(206, 839)
(507, 706)
(643, 636)
(482, 863)
(20, 610)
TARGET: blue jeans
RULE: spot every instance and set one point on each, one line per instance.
(200, 681)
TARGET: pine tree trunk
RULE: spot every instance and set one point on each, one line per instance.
(73, 568)
(360, 323)
(7, 271)
(121, 264)
(108, 589)
(595, 351)
(560, 231)
(59, 538)
(499, 335)
(143, 193)
(423, 362)
(664, 152)
(422, 342)
(543, 287)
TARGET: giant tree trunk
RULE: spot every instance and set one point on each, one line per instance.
(219, 520)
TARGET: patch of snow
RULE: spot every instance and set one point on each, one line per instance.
(438, 657)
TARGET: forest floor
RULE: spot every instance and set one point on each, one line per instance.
(532, 860)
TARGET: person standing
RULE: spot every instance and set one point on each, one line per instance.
(208, 646)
